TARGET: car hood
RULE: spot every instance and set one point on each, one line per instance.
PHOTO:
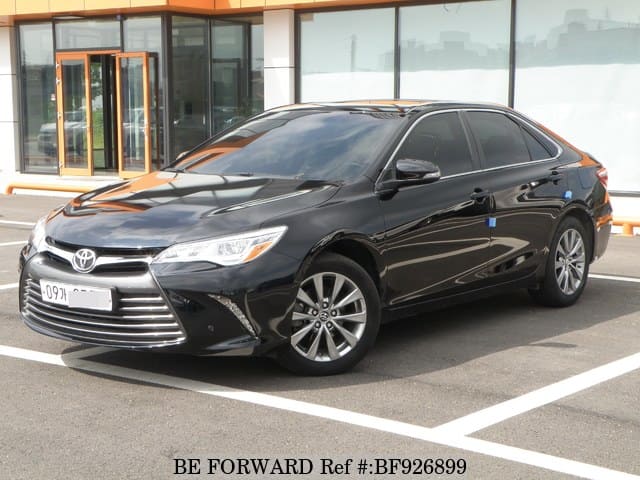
(162, 208)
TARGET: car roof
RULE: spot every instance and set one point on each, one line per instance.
(389, 105)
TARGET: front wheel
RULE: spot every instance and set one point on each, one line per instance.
(335, 319)
(567, 266)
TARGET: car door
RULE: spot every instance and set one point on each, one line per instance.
(436, 235)
(521, 171)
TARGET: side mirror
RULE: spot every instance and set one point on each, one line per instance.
(411, 171)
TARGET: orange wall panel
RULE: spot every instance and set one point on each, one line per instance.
(288, 3)
(251, 3)
(7, 7)
(32, 6)
(226, 4)
(205, 5)
(104, 4)
(148, 3)
(66, 5)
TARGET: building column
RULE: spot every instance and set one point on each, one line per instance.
(279, 59)
(9, 126)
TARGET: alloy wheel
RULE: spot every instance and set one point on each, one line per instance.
(570, 261)
(329, 317)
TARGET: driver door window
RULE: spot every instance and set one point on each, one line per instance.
(441, 140)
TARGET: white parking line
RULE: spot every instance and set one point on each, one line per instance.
(6, 244)
(484, 447)
(8, 286)
(13, 222)
(614, 277)
(543, 396)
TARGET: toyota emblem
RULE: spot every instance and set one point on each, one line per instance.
(84, 260)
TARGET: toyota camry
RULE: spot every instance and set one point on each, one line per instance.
(298, 232)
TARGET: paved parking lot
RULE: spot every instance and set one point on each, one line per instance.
(516, 390)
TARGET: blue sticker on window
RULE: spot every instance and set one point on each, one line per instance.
(491, 222)
(568, 195)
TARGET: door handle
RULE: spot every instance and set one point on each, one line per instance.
(479, 194)
(554, 176)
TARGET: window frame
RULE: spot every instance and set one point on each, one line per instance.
(478, 162)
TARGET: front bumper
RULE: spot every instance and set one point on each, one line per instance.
(188, 308)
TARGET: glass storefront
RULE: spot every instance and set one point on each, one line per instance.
(85, 34)
(577, 71)
(237, 58)
(144, 34)
(572, 65)
(98, 102)
(445, 52)
(38, 88)
(256, 75)
(190, 89)
(135, 91)
(356, 60)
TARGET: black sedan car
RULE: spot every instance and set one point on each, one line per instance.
(296, 233)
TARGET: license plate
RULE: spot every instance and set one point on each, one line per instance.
(76, 296)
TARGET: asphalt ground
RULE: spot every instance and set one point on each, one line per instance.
(516, 390)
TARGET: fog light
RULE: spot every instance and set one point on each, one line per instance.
(236, 311)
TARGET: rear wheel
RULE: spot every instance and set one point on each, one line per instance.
(567, 266)
(335, 319)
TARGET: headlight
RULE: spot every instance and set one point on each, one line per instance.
(36, 239)
(230, 250)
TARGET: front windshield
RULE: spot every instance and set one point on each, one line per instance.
(304, 144)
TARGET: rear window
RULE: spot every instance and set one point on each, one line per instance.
(500, 139)
(303, 144)
(536, 149)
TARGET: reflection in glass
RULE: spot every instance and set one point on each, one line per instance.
(76, 154)
(102, 111)
(356, 60)
(190, 85)
(257, 68)
(39, 137)
(446, 53)
(85, 34)
(230, 100)
(302, 144)
(133, 115)
(144, 34)
(577, 71)
(238, 70)
(154, 106)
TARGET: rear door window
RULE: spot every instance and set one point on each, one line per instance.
(439, 139)
(499, 138)
(536, 149)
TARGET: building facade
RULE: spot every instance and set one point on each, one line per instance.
(120, 87)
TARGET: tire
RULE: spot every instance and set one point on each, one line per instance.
(567, 266)
(333, 334)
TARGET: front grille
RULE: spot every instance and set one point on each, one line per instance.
(125, 252)
(112, 260)
(138, 320)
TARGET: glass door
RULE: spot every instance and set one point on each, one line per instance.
(137, 105)
(80, 98)
(73, 101)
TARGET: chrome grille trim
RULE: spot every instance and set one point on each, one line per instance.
(155, 325)
(101, 260)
